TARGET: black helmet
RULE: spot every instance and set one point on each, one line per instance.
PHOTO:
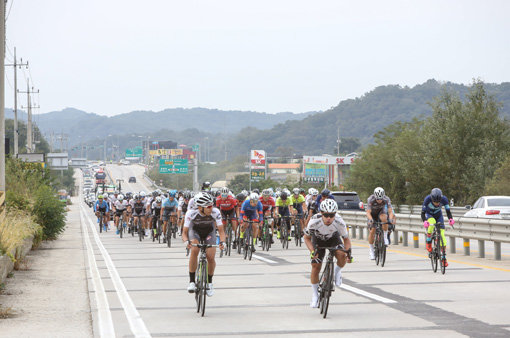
(283, 195)
(206, 185)
(325, 192)
(301, 190)
(240, 197)
(436, 194)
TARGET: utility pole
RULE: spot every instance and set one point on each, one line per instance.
(30, 143)
(16, 131)
(2, 98)
(338, 142)
(195, 173)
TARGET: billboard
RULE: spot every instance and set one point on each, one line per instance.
(258, 157)
(340, 160)
(315, 170)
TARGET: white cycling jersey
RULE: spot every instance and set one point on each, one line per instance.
(120, 205)
(325, 232)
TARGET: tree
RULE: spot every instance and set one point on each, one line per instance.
(499, 184)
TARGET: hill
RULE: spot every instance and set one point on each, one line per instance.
(357, 118)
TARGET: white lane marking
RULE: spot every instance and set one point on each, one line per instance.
(263, 259)
(135, 321)
(104, 316)
(367, 294)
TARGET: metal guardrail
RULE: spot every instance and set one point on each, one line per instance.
(467, 228)
(416, 209)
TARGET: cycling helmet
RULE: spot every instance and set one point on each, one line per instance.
(120, 197)
(206, 185)
(295, 191)
(100, 197)
(325, 192)
(203, 199)
(257, 191)
(186, 195)
(287, 191)
(158, 199)
(116, 192)
(241, 196)
(315, 192)
(171, 193)
(244, 192)
(310, 191)
(136, 196)
(266, 192)
(301, 190)
(225, 190)
(142, 194)
(379, 193)
(329, 206)
(278, 189)
(436, 194)
(283, 195)
(254, 197)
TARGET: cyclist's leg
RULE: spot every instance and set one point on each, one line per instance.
(430, 230)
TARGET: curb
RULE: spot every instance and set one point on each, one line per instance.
(7, 265)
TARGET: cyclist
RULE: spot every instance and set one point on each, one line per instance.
(156, 213)
(283, 208)
(431, 214)
(228, 209)
(206, 186)
(268, 205)
(328, 227)
(324, 194)
(170, 205)
(182, 209)
(251, 209)
(119, 207)
(378, 209)
(311, 202)
(138, 210)
(201, 223)
(298, 202)
(102, 206)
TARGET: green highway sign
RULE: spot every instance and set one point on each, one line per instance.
(258, 174)
(134, 152)
(173, 166)
(195, 147)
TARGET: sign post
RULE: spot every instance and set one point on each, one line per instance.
(257, 165)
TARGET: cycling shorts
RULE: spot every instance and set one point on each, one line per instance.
(166, 216)
(334, 241)
(251, 216)
(375, 214)
(208, 234)
(119, 213)
(231, 214)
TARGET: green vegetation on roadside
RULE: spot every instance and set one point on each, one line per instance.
(460, 149)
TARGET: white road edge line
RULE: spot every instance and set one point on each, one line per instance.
(263, 259)
(135, 321)
(104, 315)
(367, 294)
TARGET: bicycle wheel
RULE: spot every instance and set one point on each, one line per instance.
(120, 228)
(443, 258)
(101, 225)
(435, 253)
(383, 250)
(132, 227)
(198, 286)
(296, 235)
(377, 248)
(203, 287)
(168, 236)
(328, 280)
(229, 241)
(247, 240)
(140, 231)
(159, 231)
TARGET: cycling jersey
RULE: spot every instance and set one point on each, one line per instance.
(253, 213)
(120, 206)
(377, 207)
(283, 206)
(156, 209)
(225, 204)
(104, 207)
(429, 210)
(202, 226)
(297, 202)
(138, 207)
(170, 205)
(183, 206)
(268, 204)
(324, 232)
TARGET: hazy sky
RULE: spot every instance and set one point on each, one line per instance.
(115, 56)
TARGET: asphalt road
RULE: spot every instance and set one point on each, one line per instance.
(138, 289)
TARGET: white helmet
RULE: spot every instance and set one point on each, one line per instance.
(244, 192)
(254, 197)
(142, 194)
(266, 192)
(277, 194)
(158, 199)
(329, 206)
(295, 191)
(286, 191)
(310, 191)
(315, 192)
(120, 197)
(203, 199)
(379, 193)
(225, 190)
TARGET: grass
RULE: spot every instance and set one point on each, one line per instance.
(6, 312)
(17, 226)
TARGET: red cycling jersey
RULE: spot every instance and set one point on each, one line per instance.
(228, 203)
(267, 204)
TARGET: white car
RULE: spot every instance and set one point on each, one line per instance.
(490, 207)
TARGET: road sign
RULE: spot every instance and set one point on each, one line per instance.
(173, 166)
(258, 174)
(195, 147)
(134, 152)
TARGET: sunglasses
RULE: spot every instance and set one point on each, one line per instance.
(208, 207)
(329, 215)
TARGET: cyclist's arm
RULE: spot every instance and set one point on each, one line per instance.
(347, 243)
(393, 218)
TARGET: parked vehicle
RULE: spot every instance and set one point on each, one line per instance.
(497, 207)
(132, 179)
(348, 200)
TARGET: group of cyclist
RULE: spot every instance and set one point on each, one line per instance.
(203, 216)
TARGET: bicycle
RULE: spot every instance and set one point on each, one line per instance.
(228, 244)
(156, 229)
(248, 246)
(202, 275)
(438, 252)
(297, 230)
(379, 246)
(141, 232)
(327, 278)
(284, 230)
(121, 225)
(266, 235)
(101, 219)
(171, 230)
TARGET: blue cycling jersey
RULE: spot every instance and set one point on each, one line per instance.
(431, 210)
(252, 211)
(170, 204)
(103, 206)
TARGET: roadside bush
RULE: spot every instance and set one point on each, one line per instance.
(17, 226)
(49, 212)
(15, 200)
